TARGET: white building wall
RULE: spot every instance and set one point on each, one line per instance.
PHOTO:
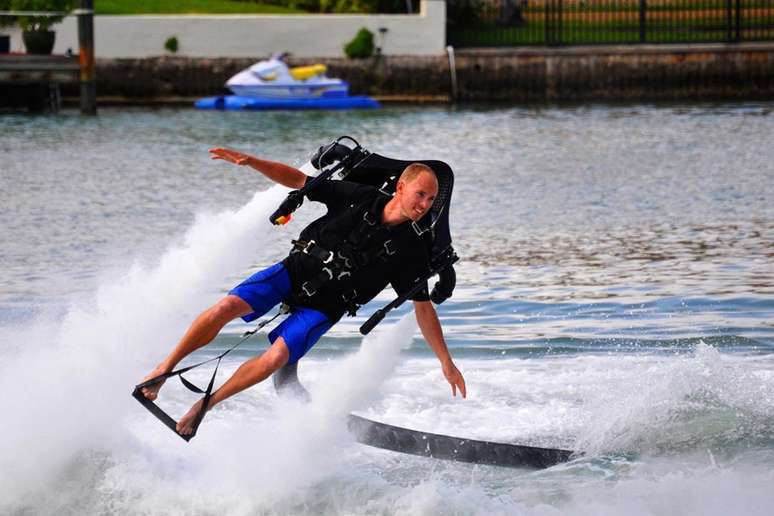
(256, 35)
(16, 39)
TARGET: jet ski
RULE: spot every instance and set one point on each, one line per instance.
(271, 84)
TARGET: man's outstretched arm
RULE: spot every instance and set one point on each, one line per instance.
(430, 326)
(274, 170)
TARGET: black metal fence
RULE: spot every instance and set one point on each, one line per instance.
(478, 23)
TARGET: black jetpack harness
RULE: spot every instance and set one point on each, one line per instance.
(339, 161)
(356, 164)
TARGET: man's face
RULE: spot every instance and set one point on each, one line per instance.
(417, 196)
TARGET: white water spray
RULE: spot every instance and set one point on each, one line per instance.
(267, 460)
(695, 402)
(75, 418)
(69, 393)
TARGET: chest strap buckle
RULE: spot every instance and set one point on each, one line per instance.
(370, 218)
(306, 289)
(387, 249)
(344, 260)
(349, 302)
(312, 249)
(310, 287)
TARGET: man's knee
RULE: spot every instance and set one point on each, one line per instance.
(278, 354)
(230, 307)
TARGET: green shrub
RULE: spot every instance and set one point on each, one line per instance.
(171, 44)
(361, 46)
(41, 23)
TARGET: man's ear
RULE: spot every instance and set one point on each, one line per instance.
(399, 187)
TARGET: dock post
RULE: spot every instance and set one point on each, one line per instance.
(86, 57)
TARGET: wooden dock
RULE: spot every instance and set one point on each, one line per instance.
(32, 82)
(29, 69)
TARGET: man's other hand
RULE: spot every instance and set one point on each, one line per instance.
(455, 379)
(232, 156)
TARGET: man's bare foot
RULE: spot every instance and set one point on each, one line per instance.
(185, 425)
(151, 392)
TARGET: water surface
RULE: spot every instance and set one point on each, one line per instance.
(614, 296)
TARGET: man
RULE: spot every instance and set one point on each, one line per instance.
(341, 261)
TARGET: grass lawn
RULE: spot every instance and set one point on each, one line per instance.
(188, 7)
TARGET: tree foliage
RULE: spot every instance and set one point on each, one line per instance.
(6, 21)
(463, 11)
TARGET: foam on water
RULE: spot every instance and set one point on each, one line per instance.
(682, 403)
(75, 424)
(67, 387)
(249, 456)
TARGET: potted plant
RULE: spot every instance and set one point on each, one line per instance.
(37, 37)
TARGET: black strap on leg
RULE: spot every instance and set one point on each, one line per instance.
(166, 418)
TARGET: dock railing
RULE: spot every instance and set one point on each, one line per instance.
(481, 23)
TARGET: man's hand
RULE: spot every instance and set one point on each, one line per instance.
(455, 379)
(277, 172)
(232, 156)
(431, 331)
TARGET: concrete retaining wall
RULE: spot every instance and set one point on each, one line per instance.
(634, 72)
(744, 71)
(168, 78)
(16, 38)
(257, 35)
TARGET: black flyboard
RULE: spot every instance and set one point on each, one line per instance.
(436, 446)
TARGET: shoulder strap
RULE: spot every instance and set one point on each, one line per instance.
(357, 243)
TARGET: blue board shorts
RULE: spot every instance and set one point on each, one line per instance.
(266, 289)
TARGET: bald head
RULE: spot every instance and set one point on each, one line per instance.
(415, 192)
(414, 170)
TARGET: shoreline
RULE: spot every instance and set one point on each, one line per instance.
(186, 101)
(518, 74)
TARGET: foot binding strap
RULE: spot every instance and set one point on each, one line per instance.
(166, 418)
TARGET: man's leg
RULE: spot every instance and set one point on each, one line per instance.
(204, 328)
(249, 373)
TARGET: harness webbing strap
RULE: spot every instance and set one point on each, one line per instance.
(354, 252)
(166, 418)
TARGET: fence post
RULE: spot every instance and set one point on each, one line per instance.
(643, 20)
(560, 19)
(86, 57)
(547, 22)
(553, 22)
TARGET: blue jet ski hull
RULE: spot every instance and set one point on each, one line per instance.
(238, 103)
